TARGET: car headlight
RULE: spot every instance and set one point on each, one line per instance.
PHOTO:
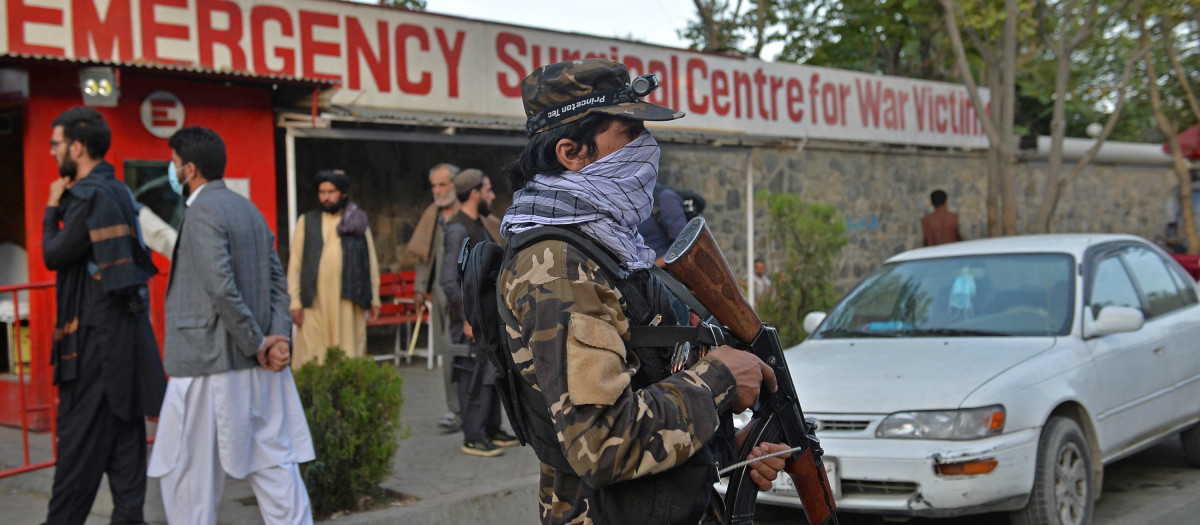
(967, 423)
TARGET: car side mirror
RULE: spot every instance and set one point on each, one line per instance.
(813, 320)
(1112, 320)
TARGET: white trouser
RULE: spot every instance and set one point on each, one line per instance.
(191, 495)
(192, 486)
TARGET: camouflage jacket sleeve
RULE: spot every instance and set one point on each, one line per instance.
(570, 346)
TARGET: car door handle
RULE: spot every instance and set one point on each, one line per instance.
(1159, 350)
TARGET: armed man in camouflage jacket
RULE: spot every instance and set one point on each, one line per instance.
(614, 421)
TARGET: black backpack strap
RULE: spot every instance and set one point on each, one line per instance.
(667, 336)
(639, 309)
(681, 292)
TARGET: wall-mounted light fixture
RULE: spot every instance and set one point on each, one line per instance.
(99, 86)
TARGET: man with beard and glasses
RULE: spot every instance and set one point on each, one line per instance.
(333, 274)
(474, 374)
(622, 438)
(106, 361)
(426, 247)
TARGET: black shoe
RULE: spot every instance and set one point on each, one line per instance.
(450, 423)
(505, 439)
(484, 448)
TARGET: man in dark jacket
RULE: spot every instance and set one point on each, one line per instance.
(473, 374)
(106, 362)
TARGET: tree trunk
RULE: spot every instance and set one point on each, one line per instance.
(1180, 164)
(993, 194)
(1000, 146)
(1008, 184)
(996, 153)
(760, 28)
(1058, 131)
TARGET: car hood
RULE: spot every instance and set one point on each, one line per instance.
(881, 376)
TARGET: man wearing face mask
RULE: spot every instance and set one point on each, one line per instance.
(106, 361)
(426, 248)
(474, 374)
(622, 435)
(333, 274)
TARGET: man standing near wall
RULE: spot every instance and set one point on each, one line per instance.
(941, 226)
(106, 362)
(762, 281)
(333, 274)
(426, 246)
(475, 375)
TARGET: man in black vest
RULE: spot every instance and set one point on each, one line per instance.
(333, 274)
(474, 374)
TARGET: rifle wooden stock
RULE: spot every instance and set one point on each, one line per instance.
(809, 477)
(697, 261)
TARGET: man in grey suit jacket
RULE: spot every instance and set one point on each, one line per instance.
(231, 405)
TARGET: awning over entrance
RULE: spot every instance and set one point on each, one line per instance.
(177, 70)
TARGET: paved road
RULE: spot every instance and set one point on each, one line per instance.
(1155, 486)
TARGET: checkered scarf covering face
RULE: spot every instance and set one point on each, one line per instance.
(606, 200)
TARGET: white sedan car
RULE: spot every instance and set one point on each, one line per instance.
(1000, 375)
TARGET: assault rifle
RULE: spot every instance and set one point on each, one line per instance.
(697, 262)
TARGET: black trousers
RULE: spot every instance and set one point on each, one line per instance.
(93, 441)
(481, 410)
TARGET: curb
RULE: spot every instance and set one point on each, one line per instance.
(511, 501)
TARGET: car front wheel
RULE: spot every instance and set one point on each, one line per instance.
(1191, 445)
(1062, 484)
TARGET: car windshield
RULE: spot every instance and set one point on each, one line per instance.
(983, 295)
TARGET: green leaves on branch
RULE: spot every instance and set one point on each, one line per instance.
(806, 238)
(353, 411)
(415, 5)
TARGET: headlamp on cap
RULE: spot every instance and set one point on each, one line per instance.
(643, 85)
(632, 92)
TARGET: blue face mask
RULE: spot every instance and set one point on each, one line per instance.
(173, 179)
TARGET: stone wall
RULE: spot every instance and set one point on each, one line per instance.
(884, 193)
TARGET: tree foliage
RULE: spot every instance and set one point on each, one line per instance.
(415, 5)
(353, 411)
(890, 37)
(1157, 25)
(806, 237)
(739, 27)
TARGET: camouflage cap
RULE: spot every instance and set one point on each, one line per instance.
(563, 92)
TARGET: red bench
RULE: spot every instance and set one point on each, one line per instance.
(396, 295)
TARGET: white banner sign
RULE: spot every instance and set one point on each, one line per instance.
(402, 60)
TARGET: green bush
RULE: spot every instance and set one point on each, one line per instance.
(805, 239)
(353, 411)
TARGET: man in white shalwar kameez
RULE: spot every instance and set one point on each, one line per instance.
(231, 406)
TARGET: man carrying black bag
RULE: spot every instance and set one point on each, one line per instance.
(475, 375)
(625, 433)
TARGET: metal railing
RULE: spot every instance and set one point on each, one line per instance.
(29, 400)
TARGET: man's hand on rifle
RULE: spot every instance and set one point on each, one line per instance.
(750, 373)
(763, 473)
